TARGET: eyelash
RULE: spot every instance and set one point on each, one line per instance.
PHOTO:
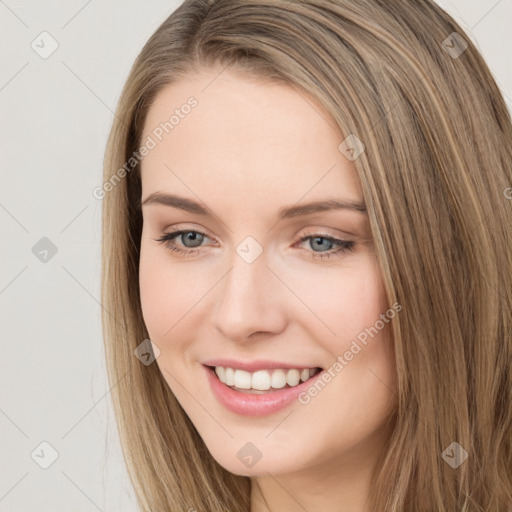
(344, 246)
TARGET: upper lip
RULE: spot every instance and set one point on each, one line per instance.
(253, 366)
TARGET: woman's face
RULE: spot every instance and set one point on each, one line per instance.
(263, 289)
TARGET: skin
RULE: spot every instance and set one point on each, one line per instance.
(246, 150)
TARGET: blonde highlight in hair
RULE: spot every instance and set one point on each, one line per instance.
(437, 161)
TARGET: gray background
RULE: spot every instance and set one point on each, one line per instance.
(56, 114)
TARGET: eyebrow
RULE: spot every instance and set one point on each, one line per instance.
(284, 213)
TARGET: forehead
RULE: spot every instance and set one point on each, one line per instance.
(244, 139)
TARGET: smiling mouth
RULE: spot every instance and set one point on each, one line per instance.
(263, 381)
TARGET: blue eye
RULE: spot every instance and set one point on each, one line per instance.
(195, 240)
(332, 246)
(319, 240)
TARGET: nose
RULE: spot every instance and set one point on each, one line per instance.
(250, 301)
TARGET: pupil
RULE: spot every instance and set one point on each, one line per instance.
(193, 237)
(316, 239)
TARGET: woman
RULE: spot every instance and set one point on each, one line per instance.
(306, 272)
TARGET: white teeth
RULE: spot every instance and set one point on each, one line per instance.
(221, 373)
(230, 377)
(278, 379)
(292, 377)
(263, 380)
(243, 379)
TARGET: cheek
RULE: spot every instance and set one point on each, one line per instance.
(345, 299)
(161, 291)
(169, 290)
(153, 292)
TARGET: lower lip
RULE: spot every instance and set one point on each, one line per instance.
(248, 404)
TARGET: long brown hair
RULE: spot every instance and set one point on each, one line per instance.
(407, 81)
